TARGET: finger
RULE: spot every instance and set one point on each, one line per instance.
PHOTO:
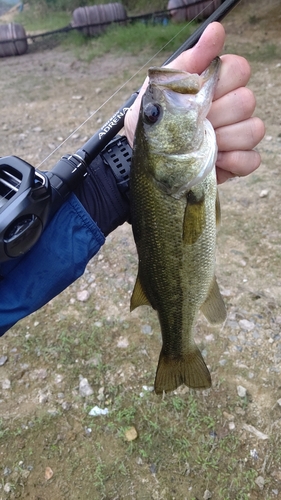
(236, 163)
(235, 72)
(243, 136)
(209, 46)
(236, 106)
(194, 60)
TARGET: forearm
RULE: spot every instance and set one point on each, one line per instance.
(58, 258)
(76, 232)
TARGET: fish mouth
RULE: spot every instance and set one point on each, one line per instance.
(183, 82)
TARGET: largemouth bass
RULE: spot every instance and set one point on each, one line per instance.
(175, 210)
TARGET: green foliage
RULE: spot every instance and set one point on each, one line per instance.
(144, 6)
(43, 20)
(132, 7)
(127, 39)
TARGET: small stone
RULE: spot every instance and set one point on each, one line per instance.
(84, 387)
(8, 488)
(131, 434)
(148, 388)
(58, 378)
(246, 325)
(146, 329)
(241, 391)
(264, 193)
(122, 342)
(75, 136)
(48, 473)
(100, 394)
(231, 426)
(260, 482)
(83, 295)
(3, 360)
(207, 495)
(7, 471)
(38, 374)
(256, 432)
(42, 397)
(77, 97)
(98, 324)
(6, 384)
(66, 406)
(209, 338)
(254, 454)
(228, 416)
(153, 468)
(96, 411)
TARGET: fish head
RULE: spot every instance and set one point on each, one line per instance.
(174, 107)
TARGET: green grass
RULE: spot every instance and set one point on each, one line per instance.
(39, 20)
(126, 40)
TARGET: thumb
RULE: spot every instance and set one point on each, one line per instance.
(198, 58)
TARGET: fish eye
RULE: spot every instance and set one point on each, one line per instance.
(151, 113)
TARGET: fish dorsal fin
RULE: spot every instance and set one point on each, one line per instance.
(138, 296)
(213, 308)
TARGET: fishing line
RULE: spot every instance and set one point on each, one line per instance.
(125, 83)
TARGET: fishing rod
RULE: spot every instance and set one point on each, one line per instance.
(111, 128)
(29, 197)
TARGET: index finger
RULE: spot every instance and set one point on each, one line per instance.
(235, 72)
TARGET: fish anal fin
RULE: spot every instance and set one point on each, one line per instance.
(189, 369)
(214, 308)
(138, 296)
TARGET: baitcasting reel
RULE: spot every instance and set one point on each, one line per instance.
(29, 198)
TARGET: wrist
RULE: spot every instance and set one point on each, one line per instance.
(118, 155)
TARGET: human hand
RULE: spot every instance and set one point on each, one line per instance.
(237, 131)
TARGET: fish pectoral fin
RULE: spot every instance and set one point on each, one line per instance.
(214, 308)
(189, 369)
(194, 217)
(138, 296)
(218, 210)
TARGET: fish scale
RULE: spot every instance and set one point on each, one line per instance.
(174, 211)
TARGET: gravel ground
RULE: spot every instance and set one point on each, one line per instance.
(85, 349)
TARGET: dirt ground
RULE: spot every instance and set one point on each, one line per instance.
(221, 444)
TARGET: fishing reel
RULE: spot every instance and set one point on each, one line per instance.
(29, 198)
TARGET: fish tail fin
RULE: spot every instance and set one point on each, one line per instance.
(189, 369)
